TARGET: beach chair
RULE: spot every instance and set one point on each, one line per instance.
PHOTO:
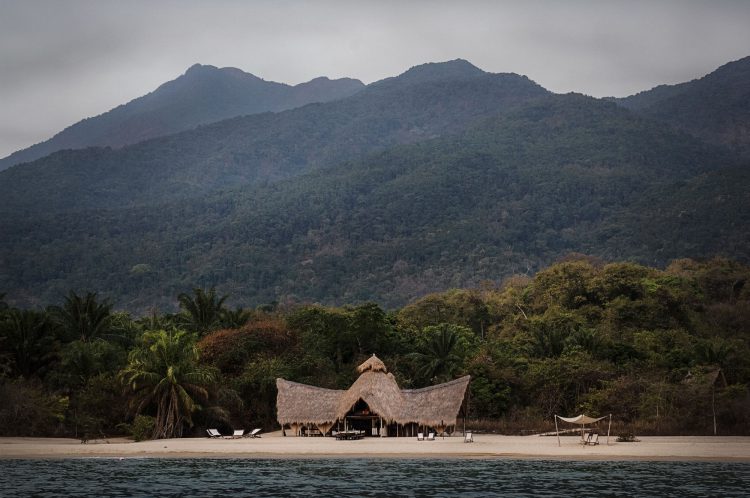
(238, 433)
(253, 433)
(592, 440)
(431, 436)
(468, 437)
(213, 433)
(420, 436)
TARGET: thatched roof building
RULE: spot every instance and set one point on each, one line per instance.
(374, 397)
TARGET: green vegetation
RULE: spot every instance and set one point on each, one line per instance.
(508, 196)
(714, 108)
(660, 349)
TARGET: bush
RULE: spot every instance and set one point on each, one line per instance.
(143, 427)
(627, 438)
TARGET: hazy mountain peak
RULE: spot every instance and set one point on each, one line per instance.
(203, 94)
(454, 69)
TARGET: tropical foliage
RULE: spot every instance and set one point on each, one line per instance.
(164, 374)
(663, 350)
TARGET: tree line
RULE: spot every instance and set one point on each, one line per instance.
(666, 351)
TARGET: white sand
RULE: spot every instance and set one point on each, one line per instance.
(484, 446)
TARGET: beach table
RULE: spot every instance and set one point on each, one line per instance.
(349, 435)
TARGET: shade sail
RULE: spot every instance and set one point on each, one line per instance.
(580, 419)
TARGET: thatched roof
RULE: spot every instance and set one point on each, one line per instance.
(373, 363)
(433, 406)
(303, 404)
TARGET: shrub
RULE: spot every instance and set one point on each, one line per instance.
(143, 427)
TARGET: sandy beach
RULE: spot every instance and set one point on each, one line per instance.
(274, 445)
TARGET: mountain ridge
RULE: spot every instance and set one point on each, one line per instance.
(444, 176)
(715, 107)
(203, 94)
(262, 147)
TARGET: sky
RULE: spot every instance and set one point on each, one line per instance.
(64, 60)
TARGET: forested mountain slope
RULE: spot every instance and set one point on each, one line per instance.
(560, 174)
(715, 108)
(425, 102)
(204, 94)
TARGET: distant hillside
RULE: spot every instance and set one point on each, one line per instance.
(204, 94)
(425, 102)
(715, 108)
(559, 174)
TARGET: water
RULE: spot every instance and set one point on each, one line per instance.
(112, 477)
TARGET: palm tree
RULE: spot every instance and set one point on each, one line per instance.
(203, 310)
(234, 319)
(440, 356)
(26, 336)
(164, 373)
(82, 317)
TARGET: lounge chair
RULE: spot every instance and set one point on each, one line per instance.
(431, 436)
(253, 433)
(592, 440)
(213, 433)
(468, 437)
(238, 433)
(420, 436)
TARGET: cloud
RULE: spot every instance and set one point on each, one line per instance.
(63, 61)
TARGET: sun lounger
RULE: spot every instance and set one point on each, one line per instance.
(420, 436)
(212, 433)
(238, 433)
(431, 436)
(253, 433)
(592, 440)
(468, 437)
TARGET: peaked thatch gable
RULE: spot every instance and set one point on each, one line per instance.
(432, 406)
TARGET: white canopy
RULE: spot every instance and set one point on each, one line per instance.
(580, 419)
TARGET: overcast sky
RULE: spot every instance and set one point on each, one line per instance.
(63, 60)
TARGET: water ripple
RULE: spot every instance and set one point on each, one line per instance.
(374, 477)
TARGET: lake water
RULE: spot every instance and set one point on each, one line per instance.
(368, 477)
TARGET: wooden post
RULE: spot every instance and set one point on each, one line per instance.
(557, 431)
(713, 403)
(609, 427)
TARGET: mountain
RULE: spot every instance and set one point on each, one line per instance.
(204, 94)
(423, 103)
(508, 194)
(444, 176)
(715, 108)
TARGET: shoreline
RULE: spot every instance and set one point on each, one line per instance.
(275, 446)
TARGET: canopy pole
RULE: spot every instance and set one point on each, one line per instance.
(557, 431)
(609, 427)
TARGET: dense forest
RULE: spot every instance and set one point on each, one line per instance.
(442, 177)
(665, 351)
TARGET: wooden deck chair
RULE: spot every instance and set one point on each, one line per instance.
(420, 436)
(253, 433)
(431, 436)
(238, 433)
(213, 433)
(592, 440)
(468, 437)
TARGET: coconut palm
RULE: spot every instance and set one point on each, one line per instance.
(83, 317)
(440, 356)
(26, 337)
(164, 374)
(203, 310)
